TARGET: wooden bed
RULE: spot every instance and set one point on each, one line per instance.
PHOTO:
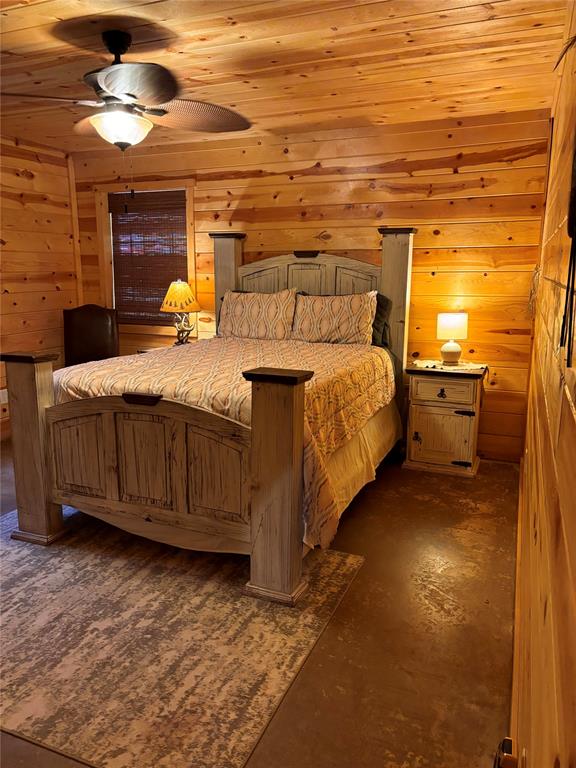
(182, 475)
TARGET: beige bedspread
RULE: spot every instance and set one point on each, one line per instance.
(351, 383)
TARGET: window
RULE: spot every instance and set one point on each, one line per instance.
(149, 251)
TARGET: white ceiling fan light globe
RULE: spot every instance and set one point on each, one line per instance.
(124, 129)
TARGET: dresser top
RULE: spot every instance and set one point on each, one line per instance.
(442, 370)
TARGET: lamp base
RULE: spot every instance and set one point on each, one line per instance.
(183, 328)
(451, 352)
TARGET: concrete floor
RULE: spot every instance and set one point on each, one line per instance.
(414, 668)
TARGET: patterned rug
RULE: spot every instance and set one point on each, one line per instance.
(131, 654)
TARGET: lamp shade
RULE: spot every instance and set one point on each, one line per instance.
(179, 298)
(452, 325)
(121, 128)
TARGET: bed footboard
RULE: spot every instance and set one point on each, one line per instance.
(167, 471)
(153, 467)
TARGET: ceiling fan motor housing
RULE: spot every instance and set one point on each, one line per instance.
(117, 42)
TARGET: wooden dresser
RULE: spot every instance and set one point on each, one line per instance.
(443, 419)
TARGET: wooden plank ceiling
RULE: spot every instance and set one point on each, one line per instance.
(288, 65)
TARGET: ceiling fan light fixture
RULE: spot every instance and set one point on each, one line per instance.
(122, 128)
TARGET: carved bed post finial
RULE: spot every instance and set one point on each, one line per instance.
(227, 259)
(30, 392)
(395, 284)
(276, 515)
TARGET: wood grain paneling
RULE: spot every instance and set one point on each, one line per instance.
(544, 698)
(474, 188)
(290, 65)
(40, 255)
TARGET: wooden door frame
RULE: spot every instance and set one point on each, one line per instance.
(104, 228)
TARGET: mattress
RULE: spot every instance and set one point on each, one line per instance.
(351, 383)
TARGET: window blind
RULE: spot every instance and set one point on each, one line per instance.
(149, 251)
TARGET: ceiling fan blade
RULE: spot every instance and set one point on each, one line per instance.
(189, 115)
(78, 102)
(132, 82)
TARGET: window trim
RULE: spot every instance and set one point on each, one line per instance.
(104, 229)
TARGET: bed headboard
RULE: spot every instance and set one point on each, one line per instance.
(326, 274)
(320, 274)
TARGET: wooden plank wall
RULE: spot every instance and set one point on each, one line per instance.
(473, 187)
(40, 253)
(544, 699)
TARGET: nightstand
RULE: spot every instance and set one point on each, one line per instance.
(443, 419)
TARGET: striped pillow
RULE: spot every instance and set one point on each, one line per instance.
(257, 315)
(335, 319)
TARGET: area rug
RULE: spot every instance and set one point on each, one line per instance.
(130, 654)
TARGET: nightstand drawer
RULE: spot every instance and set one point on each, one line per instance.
(442, 390)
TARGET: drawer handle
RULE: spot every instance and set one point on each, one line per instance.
(442, 393)
(416, 437)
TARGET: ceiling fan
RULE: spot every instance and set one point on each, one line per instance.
(133, 97)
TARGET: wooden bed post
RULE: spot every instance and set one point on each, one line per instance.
(227, 260)
(276, 520)
(395, 284)
(30, 392)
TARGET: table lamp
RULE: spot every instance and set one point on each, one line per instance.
(451, 326)
(180, 301)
